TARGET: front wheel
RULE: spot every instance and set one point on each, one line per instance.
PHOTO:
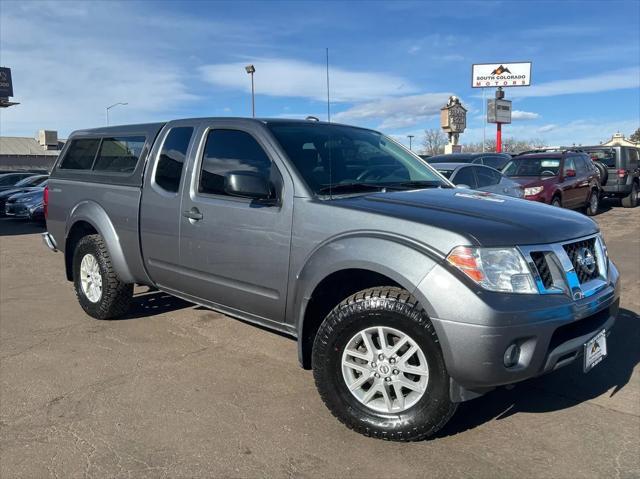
(99, 290)
(378, 366)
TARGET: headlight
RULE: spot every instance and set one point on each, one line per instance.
(495, 269)
(533, 191)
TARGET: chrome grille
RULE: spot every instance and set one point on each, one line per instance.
(583, 258)
(540, 262)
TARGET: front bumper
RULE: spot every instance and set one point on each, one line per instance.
(477, 326)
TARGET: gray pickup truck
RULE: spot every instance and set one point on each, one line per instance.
(406, 295)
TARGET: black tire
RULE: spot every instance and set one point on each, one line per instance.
(631, 200)
(593, 203)
(391, 307)
(116, 295)
(556, 201)
(604, 172)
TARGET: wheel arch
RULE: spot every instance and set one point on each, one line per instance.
(345, 266)
(88, 218)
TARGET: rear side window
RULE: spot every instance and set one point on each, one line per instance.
(119, 154)
(172, 156)
(496, 162)
(80, 154)
(606, 156)
(487, 176)
(633, 158)
(226, 151)
(464, 176)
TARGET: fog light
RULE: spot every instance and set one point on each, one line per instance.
(511, 355)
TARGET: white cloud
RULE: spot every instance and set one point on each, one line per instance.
(413, 49)
(547, 128)
(286, 77)
(64, 82)
(611, 80)
(524, 115)
(396, 113)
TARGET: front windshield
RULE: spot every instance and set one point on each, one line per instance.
(532, 167)
(338, 159)
(31, 181)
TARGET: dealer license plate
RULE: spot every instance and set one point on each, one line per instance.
(595, 350)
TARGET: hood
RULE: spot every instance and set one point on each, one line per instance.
(485, 218)
(528, 181)
(15, 191)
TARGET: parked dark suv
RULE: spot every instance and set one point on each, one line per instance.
(561, 178)
(621, 172)
(494, 160)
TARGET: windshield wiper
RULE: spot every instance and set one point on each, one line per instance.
(417, 184)
(354, 187)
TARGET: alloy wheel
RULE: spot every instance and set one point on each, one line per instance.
(90, 278)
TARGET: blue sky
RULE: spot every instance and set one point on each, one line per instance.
(393, 64)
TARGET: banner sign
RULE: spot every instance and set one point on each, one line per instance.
(492, 75)
(6, 86)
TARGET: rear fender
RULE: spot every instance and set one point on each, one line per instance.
(92, 213)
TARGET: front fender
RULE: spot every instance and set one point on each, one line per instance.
(404, 261)
(92, 213)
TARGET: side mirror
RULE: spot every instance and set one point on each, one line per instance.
(570, 173)
(247, 184)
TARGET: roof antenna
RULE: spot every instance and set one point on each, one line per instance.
(328, 99)
(329, 121)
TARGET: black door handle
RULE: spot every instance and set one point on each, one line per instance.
(193, 214)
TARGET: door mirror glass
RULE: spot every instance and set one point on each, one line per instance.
(247, 184)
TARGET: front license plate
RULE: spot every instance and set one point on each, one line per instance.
(595, 350)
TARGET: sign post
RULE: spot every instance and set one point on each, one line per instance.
(500, 75)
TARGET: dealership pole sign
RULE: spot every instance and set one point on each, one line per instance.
(493, 75)
(6, 87)
(499, 76)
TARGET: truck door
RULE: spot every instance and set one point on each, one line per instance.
(160, 208)
(234, 250)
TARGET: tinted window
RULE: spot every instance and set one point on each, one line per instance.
(581, 166)
(496, 162)
(487, 177)
(80, 154)
(445, 173)
(119, 154)
(606, 156)
(464, 176)
(172, 156)
(633, 158)
(230, 150)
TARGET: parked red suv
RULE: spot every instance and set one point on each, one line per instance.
(560, 178)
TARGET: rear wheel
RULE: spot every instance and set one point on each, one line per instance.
(378, 366)
(99, 290)
(631, 200)
(593, 203)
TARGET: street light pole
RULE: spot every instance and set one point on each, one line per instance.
(411, 137)
(111, 106)
(251, 70)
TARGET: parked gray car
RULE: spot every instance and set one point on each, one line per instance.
(406, 295)
(480, 177)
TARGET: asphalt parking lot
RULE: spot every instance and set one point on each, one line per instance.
(175, 390)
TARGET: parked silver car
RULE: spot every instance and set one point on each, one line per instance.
(479, 177)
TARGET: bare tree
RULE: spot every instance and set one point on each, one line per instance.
(509, 145)
(433, 141)
(635, 136)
